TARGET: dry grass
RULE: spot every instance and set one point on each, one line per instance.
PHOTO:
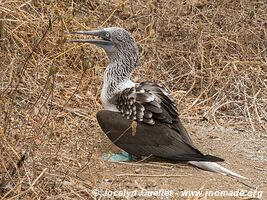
(210, 54)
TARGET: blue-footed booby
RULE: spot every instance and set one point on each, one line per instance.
(141, 118)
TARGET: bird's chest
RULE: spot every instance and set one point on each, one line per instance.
(109, 93)
(106, 100)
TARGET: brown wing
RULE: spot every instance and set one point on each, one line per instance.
(158, 140)
(150, 103)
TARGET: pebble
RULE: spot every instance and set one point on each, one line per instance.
(137, 171)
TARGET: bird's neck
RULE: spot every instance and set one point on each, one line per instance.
(116, 79)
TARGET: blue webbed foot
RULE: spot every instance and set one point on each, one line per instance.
(118, 157)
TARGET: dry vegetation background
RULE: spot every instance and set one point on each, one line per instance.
(210, 54)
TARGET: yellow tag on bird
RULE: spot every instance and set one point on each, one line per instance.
(134, 126)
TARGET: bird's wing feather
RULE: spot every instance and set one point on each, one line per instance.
(158, 140)
(150, 103)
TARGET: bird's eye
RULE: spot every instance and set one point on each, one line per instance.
(107, 35)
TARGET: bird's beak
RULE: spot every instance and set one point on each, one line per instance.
(102, 42)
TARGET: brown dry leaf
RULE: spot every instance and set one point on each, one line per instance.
(134, 127)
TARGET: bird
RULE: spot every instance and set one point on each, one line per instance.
(141, 118)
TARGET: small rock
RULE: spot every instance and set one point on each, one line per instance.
(137, 171)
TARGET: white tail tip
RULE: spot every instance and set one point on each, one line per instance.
(214, 167)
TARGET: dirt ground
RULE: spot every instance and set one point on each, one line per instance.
(244, 153)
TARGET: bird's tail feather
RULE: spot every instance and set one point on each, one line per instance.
(214, 167)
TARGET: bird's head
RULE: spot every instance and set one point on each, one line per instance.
(117, 42)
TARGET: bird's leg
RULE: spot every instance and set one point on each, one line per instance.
(119, 157)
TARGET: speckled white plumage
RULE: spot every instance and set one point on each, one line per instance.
(106, 95)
